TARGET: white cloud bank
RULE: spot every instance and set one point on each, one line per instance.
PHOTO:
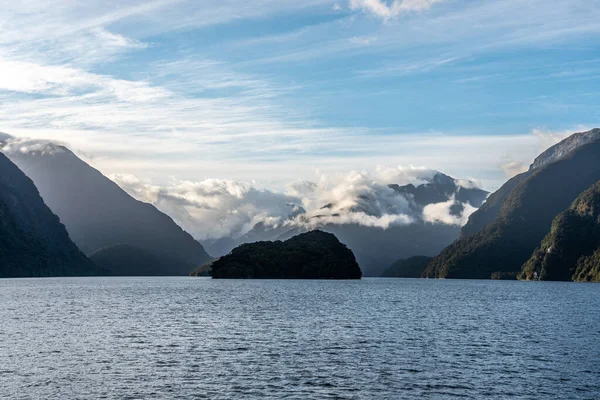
(216, 208)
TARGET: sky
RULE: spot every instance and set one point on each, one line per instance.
(278, 91)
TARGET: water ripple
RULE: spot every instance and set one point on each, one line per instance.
(184, 338)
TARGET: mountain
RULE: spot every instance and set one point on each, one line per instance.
(492, 207)
(126, 260)
(570, 250)
(565, 147)
(33, 242)
(312, 255)
(440, 189)
(376, 248)
(489, 211)
(526, 207)
(412, 267)
(99, 214)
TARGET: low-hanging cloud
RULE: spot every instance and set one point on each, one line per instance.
(216, 208)
(441, 213)
(11, 145)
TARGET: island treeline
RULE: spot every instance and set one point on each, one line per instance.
(312, 255)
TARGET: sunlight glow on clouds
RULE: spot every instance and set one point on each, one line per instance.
(216, 208)
(273, 90)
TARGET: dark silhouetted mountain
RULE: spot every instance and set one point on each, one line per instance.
(525, 217)
(377, 248)
(570, 251)
(99, 214)
(312, 255)
(488, 213)
(412, 267)
(126, 260)
(33, 242)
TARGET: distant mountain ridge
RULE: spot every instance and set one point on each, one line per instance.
(33, 242)
(376, 248)
(99, 214)
(126, 260)
(412, 267)
(502, 235)
(440, 189)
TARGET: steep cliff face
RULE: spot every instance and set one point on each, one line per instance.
(33, 242)
(524, 218)
(571, 248)
(98, 214)
(490, 210)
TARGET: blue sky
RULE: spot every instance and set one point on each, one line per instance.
(271, 92)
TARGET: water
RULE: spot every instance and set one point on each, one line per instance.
(186, 338)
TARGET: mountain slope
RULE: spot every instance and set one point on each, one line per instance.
(99, 214)
(33, 242)
(565, 147)
(567, 252)
(412, 267)
(524, 219)
(126, 260)
(487, 213)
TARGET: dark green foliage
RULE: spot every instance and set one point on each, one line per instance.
(588, 268)
(504, 276)
(126, 260)
(525, 218)
(33, 242)
(412, 267)
(312, 255)
(489, 211)
(568, 251)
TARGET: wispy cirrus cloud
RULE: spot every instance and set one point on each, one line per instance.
(200, 90)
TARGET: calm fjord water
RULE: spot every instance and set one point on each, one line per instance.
(186, 338)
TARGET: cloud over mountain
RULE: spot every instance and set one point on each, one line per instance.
(216, 208)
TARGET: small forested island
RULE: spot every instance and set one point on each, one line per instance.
(312, 255)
